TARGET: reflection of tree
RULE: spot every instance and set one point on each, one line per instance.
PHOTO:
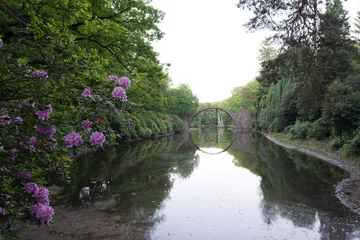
(297, 187)
(212, 138)
(138, 175)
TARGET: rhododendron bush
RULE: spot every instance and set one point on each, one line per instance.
(70, 75)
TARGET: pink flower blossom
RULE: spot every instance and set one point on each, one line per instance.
(119, 92)
(124, 81)
(18, 119)
(48, 131)
(41, 195)
(44, 213)
(34, 208)
(1, 43)
(40, 73)
(86, 125)
(87, 92)
(97, 139)
(42, 115)
(73, 140)
(2, 211)
(31, 188)
(113, 77)
(24, 176)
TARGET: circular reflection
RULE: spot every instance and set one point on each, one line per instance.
(209, 145)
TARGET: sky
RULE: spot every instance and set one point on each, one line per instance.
(209, 48)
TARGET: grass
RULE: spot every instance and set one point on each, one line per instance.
(321, 147)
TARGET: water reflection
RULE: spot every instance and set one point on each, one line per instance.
(168, 189)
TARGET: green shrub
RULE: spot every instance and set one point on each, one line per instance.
(337, 143)
(319, 130)
(352, 147)
(299, 130)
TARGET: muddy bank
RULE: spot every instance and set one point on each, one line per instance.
(348, 190)
(96, 222)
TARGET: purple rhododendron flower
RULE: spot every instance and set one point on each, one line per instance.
(86, 125)
(73, 140)
(24, 176)
(1, 148)
(41, 195)
(48, 131)
(31, 188)
(5, 120)
(44, 213)
(34, 208)
(42, 115)
(97, 121)
(40, 73)
(119, 92)
(1, 43)
(18, 119)
(12, 153)
(124, 81)
(113, 77)
(97, 139)
(87, 92)
(32, 141)
(2, 211)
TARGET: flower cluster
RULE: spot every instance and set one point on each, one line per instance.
(119, 92)
(24, 176)
(113, 77)
(86, 125)
(47, 131)
(40, 73)
(124, 81)
(44, 113)
(1, 43)
(97, 139)
(30, 144)
(42, 211)
(87, 92)
(73, 140)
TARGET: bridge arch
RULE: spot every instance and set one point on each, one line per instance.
(211, 108)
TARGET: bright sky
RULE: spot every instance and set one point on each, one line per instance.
(208, 47)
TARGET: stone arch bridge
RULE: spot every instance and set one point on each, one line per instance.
(243, 120)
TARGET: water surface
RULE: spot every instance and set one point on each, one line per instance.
(188, 187)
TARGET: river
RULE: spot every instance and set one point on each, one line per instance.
(210, 184)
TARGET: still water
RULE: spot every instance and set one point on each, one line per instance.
(215, 184)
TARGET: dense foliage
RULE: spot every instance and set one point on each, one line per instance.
(309, 87)
(60, 92)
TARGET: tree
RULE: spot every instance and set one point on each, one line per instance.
(182, 101)
(267, 51)
(295, 22)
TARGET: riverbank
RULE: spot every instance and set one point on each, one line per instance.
(348, 190)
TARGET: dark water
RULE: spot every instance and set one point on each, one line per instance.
(188, 187)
